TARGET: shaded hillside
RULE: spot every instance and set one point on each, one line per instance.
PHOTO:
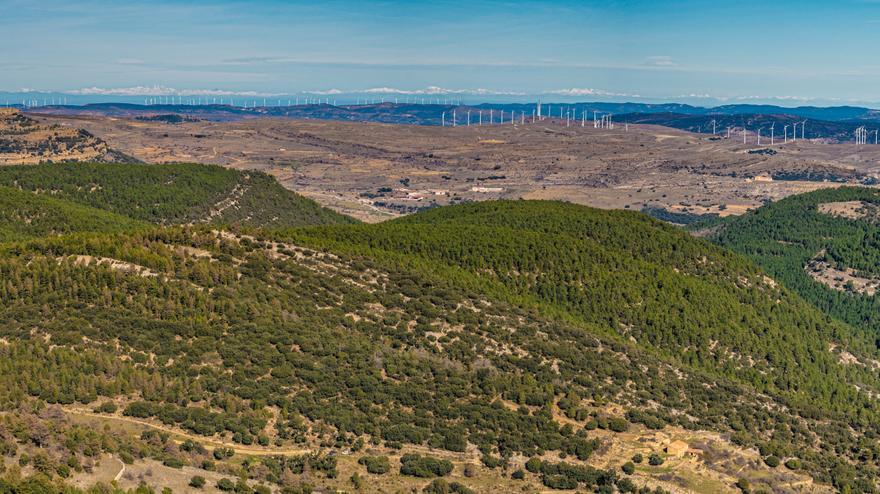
(428, 110)
(822, 255)
(26, 215)
(173, 194)
(839, 131)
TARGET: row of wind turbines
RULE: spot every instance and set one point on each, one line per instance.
(295, 101)
(600, 120)
(757, 133)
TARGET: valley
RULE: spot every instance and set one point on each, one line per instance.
(377, 171)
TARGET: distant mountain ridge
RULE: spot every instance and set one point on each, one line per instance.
(431, 114)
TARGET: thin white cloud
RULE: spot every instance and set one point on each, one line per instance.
(575, 91)
(428, 91)
(661, 61)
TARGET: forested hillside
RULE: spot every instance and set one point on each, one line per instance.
(512, 330)
(803, 246)
(26, 215)
(172, 194)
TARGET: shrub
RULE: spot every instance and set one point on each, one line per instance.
(356, 481)
(534, 465)
(560, 482)
(793, 464)
(375, 464)
(638, 458)
(424, 466)
(440, 486)
(225, 485)
(772, 461)
(618, 424)
(197, 481)
(491, 461)
(106, 407)
(655, 459)
(519, 474)
(173, 462)
(628, 468)
(223, 453)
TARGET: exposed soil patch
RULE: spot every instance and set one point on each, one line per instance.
(853, 210)
(843, 280)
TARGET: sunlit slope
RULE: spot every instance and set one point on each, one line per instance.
(173, 193)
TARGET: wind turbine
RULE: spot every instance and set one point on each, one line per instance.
(772, 132)
(785, 133)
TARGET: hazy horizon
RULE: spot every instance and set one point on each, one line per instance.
(677, 51)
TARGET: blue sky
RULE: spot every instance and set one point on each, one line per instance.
(736, 51)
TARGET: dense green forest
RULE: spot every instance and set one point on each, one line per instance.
(458, 326)
(27, 215)
(784, 236)
(173, 193)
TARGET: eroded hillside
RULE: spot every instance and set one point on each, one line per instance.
(25, 141)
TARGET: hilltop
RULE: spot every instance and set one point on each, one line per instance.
(480, 335)
(23, 140)
(166, 194)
